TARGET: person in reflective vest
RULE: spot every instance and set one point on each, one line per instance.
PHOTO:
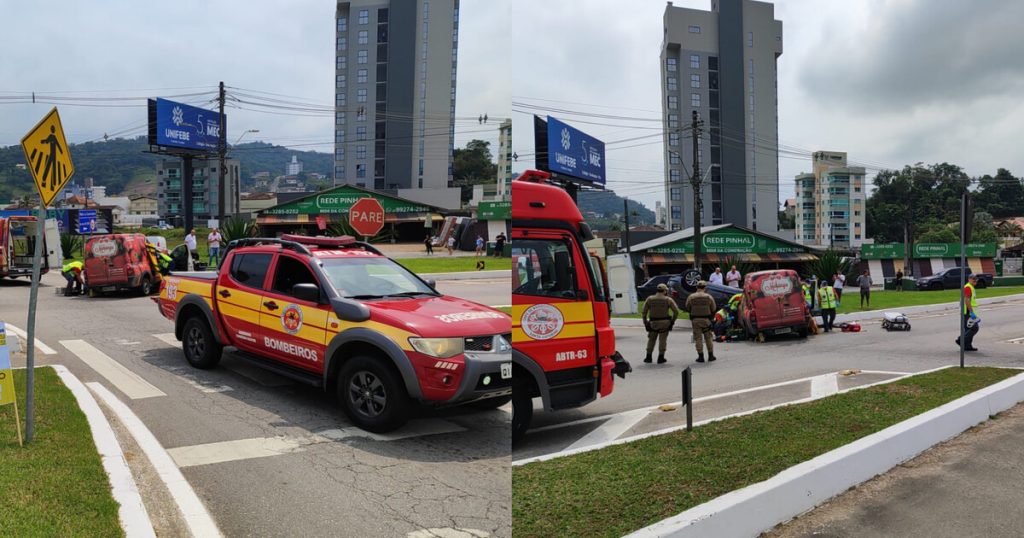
(968, 315)
(734, 303)
(828, 300)
(72, 272)
(806, 286)
(722, 323)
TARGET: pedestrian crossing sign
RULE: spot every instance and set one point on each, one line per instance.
(48, 156)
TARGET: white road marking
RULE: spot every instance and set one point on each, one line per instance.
(124, 342)
(188, 377)
(824, 385)
(168, 338)
(132, 512)
(127, 381)
(612, 429)
(198, 519)
(415, 428)
(47, 350)
(242, 449)
(1016, 340)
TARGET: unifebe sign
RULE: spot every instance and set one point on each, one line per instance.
(177, 125)
(574, 153)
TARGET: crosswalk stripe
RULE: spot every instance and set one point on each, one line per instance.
(242, 449)
(415, 428)
(127, 381)
(168, 338)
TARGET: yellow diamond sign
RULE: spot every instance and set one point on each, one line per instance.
(48, 157)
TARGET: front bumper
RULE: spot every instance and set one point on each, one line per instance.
(475, 375)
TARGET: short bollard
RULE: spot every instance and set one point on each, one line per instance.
(688, 397)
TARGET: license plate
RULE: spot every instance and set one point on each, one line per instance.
(784, 330)
(506, 370)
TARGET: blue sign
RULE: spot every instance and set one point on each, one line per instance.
(574, 153)
(178, 125)
(87, 221)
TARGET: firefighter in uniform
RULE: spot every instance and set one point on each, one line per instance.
(658, 321)
(701, 307)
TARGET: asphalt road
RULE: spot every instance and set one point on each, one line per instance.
(744, 365)
(488, 292)
(305, 470)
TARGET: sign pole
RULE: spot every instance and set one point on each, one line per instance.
(31, 329)
(17, 423)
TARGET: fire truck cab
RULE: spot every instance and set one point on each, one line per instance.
(562, 340)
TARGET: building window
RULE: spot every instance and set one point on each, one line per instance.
(671, 64)
(342, 62)
(342, 43)
(695, 61)
(750, 39)
(673, 139)
(673, 84)
(712, 63)
(340, 80)
(339, 136)
(339, 100)
(339, 154)
(364, 16)
(673, 157)
(856, 189)
(693, 29)
(361, 114)
(694, 99)
(673, 121)
(695, 81)
(361, 58)
(339, 118)
(676, 194)
(673, 102)
(750, 66)
(361, 95)
(673, 176)
(382, 15)
(360, 152)
(361, 133)
(342, 24)
(361, 76)
(364, 37)
(677, 212)
(857, 214)
(360, 170)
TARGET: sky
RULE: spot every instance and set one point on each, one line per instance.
(890, 82)
(131, 49)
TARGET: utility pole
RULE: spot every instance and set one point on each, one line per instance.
(625, 211)
(222, 149)
(695, 181)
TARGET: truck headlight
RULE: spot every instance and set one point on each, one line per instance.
(438, 347)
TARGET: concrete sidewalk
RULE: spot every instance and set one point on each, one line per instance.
(968, 486)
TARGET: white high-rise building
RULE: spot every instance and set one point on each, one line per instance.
(395, 73)
(722, 64)
(294, 168)
(831, 202)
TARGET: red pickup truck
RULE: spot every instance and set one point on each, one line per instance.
(337, 314)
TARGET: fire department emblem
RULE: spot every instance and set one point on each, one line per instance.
(291, 319)
(542, 322)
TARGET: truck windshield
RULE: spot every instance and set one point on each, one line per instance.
(373, 278)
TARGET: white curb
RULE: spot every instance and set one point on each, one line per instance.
(134, 518)
(759, 507)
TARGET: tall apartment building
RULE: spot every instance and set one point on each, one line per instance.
(505, 159)
(294, 167)
(830, 202)
(170, 189)
(722, 64)
(395, 72)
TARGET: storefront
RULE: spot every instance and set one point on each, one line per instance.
(404, 220)
(721, 245)
(928, 258)
(498, 217)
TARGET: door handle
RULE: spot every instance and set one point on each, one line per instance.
(271, 305)
(224, 293)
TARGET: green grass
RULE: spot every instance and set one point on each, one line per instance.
(442, 263)
(55, 486)
(622, 488)
(888, 300)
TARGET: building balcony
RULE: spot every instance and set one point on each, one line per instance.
(174, 185)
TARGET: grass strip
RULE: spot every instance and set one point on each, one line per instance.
(623, 488)
(55, 486)
(455, 264)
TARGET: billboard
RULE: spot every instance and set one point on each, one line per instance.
(177, 125)
(572, 152)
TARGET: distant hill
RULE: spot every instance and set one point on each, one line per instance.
(607, 203)
(121, 166)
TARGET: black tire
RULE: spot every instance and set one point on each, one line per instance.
(982, 284)
(522, 408)
(201, 349)
(372, 394)
(689, 280)
(490, 403)
(146, 286)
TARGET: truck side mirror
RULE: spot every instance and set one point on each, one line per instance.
(350, 310)
(306, 292)
(582, 295)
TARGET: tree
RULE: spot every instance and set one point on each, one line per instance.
(474, 163)
(1002, 195)
(786, 222)
(983, 228)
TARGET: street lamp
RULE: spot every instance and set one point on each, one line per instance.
(237, 182)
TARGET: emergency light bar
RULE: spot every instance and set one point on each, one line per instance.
(534, 176)
(321, 241)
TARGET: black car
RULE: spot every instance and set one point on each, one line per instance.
(650, 287)
(680, 290)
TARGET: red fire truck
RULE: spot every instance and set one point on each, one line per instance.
(563, 346)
